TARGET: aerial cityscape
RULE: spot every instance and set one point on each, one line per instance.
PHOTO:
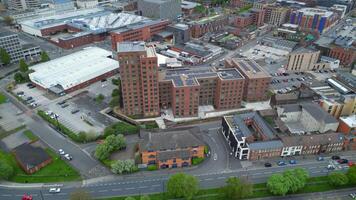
(177, 99)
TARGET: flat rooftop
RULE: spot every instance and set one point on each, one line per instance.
(73, 69)
(6, 33)
(137, 46)
(249, 67)
(207, 19)
(229, 74)
(316, 11)
(137, 25)
(189, 4)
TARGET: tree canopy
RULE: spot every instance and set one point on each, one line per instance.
(351, 174)
(182, 185)
(23, 66)
(123, 166)
(4, 57)
(236, 189)
(44, 56)
(277, 184)
(338, 179)
(6, 170)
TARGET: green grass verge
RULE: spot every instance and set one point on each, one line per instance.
(3, 98)
(57, 171)
(30, 135)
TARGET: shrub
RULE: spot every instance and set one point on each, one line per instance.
(152, 167)
(123, 166)
(337, 179)
(197, 161)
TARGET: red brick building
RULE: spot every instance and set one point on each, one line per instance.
(31, 158)
(347, 126)
(208, 24)
(184, 90)
(346, 55)
(257, 80)
(139, 79)
(171, 149)
(141, 31)
(253, 17)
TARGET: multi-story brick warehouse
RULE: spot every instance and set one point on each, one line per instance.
(257, 80)
(139, 78)
(208, 24)
(141, 31)
(171, 149)
(184, 90)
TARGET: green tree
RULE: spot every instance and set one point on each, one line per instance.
(295, 183)
(337, 179)
(123, 166)
(99, 98)
(236, 189)
(4, 57)
(80, 194)
(19, 78)
(145, 197)
(44, 57)
(23, 66)
(182, 185)
(8, 20)
(116, 142)
(130, 198)
(351, 174)
(116, 81)
(102, 151)
(277, 184)
(301, 174)
(115, 93)
(115, 101)
(6, 170)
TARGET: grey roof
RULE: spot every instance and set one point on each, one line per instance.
(348, 79)
(242, 130)
(164, 34)
(170, 140)
(291, 108)
(131, 46)
(311, 140)
(229, 74)
(187, 77)
(318, 113)
(137, 25)
(304, 50)
(272, 144)
(166, 155)
(29, 46)
(30, 156)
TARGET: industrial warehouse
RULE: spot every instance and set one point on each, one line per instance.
(69, 73)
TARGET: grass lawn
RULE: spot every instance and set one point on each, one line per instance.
(2, 98)
(57, 171)
(30, 135)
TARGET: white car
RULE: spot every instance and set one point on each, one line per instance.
(49, 112)
(54, 190)
(68, 157)
(61, 152)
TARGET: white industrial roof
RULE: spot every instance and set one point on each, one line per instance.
(316, 11)
(74, 69)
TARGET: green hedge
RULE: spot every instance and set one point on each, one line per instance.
(121, 128)
(152, 167)
(197, 161)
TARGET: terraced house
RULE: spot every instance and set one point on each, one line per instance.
(171, 149)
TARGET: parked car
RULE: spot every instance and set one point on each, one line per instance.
(351, 164)
(342, 161)
(64, 105)
(335, 157)
(49, 112)
(54, 190)
(68, 157)
(75, 111)
(267, 164)
(20, 93)
(281, 163)
(61, 102)
(61, 152)
(292, 162)
(29, 98)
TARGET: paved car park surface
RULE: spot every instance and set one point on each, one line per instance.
(289, 81)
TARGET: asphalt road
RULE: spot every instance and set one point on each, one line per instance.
(140, 184)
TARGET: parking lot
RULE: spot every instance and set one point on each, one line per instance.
(79, 110)
(265, 52)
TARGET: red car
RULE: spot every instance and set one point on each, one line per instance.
(26, 197)
(351, 164)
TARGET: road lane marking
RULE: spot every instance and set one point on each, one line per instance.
(156, 185)
(102, 190)
(116, 189)
(129, 188)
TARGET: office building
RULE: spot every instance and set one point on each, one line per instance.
(139, 79)
(252, 17)
(140, 31)
(314, 19)
(160, 9)
(275, 15)
(208, 24)
(171, 149)
(257, 79)
(181, 33)
(11, 43)
(302, 59)
(23, 4)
